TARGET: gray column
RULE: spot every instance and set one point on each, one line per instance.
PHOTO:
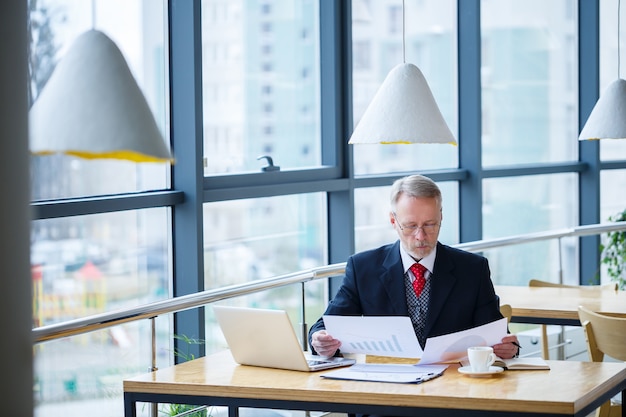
(187, 173)
(15, 280)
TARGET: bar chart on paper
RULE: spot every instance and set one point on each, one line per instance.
(386, 336)
(381, 346)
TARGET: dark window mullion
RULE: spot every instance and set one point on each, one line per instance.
(185, 39)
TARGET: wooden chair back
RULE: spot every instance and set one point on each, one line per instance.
(605, 335)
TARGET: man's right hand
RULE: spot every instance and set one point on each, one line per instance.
(324, 344)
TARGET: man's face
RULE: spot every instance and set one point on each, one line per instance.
(417, 222)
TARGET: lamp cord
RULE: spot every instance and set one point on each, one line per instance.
(619, 4)
(403, 35)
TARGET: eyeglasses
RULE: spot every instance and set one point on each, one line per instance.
(428, 228)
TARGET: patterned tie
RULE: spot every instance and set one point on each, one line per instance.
(419, 281)
(418, 303)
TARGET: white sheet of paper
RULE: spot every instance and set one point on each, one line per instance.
(373, 335)
(451, 347)
(388, 373)
(394, 336)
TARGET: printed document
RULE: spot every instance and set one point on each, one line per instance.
(394, 336)
(388, 373)
(453, 346)
(375, 335)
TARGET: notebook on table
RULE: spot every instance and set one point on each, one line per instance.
(264, 337)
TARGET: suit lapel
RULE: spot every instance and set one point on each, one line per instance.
(392, 280)
(442, 283)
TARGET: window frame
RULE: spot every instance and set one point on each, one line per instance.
(190, 189)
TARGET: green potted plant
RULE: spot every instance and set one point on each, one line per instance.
(185, 409)
(614, 252)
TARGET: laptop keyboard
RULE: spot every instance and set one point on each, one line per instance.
(313, 362)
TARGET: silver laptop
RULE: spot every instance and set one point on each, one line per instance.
(263, 337)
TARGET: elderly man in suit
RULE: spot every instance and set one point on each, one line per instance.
(441, 288)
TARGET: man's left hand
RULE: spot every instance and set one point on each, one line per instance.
(509, 347)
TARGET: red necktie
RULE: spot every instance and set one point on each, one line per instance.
(419, 281)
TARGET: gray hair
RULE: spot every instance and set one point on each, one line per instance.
(417, 186)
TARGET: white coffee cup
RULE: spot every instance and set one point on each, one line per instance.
(480, 358)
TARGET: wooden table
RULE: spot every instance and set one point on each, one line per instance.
(568, 389)
(551, 305)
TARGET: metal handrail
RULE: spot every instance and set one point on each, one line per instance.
(172, 305)
(592, 229)
(186, 302)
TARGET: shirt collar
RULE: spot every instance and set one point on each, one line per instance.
(427, 261)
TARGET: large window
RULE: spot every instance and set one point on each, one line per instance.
(140, 34)
(527, 204)
(260, 84)
(251, 239)
(92, 264)
(612, 201)
(529, 89)
(430, 44)
(89, 265)
(609, 67)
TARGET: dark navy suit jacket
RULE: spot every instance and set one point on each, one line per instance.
(461, 293)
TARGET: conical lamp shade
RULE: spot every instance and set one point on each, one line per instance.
(403, 111)
(608, 117)
(93, 108)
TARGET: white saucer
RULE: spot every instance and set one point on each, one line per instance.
(467, 370)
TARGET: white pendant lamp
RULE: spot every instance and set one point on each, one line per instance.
(93, 108)
(608, 117)
(403, 110)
